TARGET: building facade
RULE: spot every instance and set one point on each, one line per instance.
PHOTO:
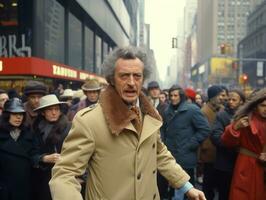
(252, 49)
(74, 35)
(221, 24)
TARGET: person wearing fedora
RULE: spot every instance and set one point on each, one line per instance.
(16, 151)
(91, 88)
(50, 128)
(33, 91)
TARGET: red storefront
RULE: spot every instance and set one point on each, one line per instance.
(16, 71)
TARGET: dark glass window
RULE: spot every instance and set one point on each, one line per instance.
(75, 47)
(89, 49)
(8, 14)
(105, 49)
(54, 34)
(15, 28)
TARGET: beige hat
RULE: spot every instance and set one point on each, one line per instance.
(48, 100)
(91, 85)
(67, 93)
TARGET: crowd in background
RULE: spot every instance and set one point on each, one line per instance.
(219, 138)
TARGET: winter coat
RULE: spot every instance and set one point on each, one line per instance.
(77, 107)
(183, 131)
(225, 158)
(52, 144)
(15, 165)
(207, 150)
(247, 182)
(30, 116)
(122, 163)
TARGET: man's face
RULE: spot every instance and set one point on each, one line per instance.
(34, 100)
(52, 113)
(261, 108)
(174, 97)
(93, 95)
(154, 93)
(128, 79)
(162, 98)
(217, 100)
(234, 100)
(224, 97)
(3, 99)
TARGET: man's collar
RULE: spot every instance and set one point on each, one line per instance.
(117, 113)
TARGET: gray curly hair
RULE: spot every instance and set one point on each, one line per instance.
(128, 52)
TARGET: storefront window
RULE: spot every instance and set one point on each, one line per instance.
(54, 34)
(75, 47)
(89, 49)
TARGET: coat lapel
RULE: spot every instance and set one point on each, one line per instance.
(150, 126)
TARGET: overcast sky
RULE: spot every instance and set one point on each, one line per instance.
(163, 17)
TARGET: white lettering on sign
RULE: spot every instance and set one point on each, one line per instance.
(83, 75)
(1, 65)
(9, 46)
(65, 72)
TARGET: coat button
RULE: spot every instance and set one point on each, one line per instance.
(154, 171)
(139, 176)
(153, 145)
(154, 196)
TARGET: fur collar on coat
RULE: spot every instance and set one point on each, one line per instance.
(117, 113)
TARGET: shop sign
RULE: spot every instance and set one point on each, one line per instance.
(9, 46)
(65, 72)
(83, 75)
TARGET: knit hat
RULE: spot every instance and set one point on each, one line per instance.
(153, 84)
(190, 93)
(35, 87)
(213, 91)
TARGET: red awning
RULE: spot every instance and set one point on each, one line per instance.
(44, 68)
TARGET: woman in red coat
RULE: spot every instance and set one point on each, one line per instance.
(248, 133)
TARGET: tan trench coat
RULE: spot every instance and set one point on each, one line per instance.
(120, 167)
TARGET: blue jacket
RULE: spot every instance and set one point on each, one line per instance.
(183, 131)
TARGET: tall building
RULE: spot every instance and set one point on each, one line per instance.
(252, 49)
(189, 47)
(61, 41)
(221, 24)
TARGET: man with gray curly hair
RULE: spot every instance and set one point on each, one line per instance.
(118, 141)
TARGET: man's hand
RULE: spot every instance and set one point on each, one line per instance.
(194, 194)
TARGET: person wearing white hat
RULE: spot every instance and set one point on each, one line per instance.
(50, 128)
(67, 97)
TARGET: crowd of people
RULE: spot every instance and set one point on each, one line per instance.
(123, 141)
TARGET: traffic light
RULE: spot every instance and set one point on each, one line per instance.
(245, 78)
(222, 48)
